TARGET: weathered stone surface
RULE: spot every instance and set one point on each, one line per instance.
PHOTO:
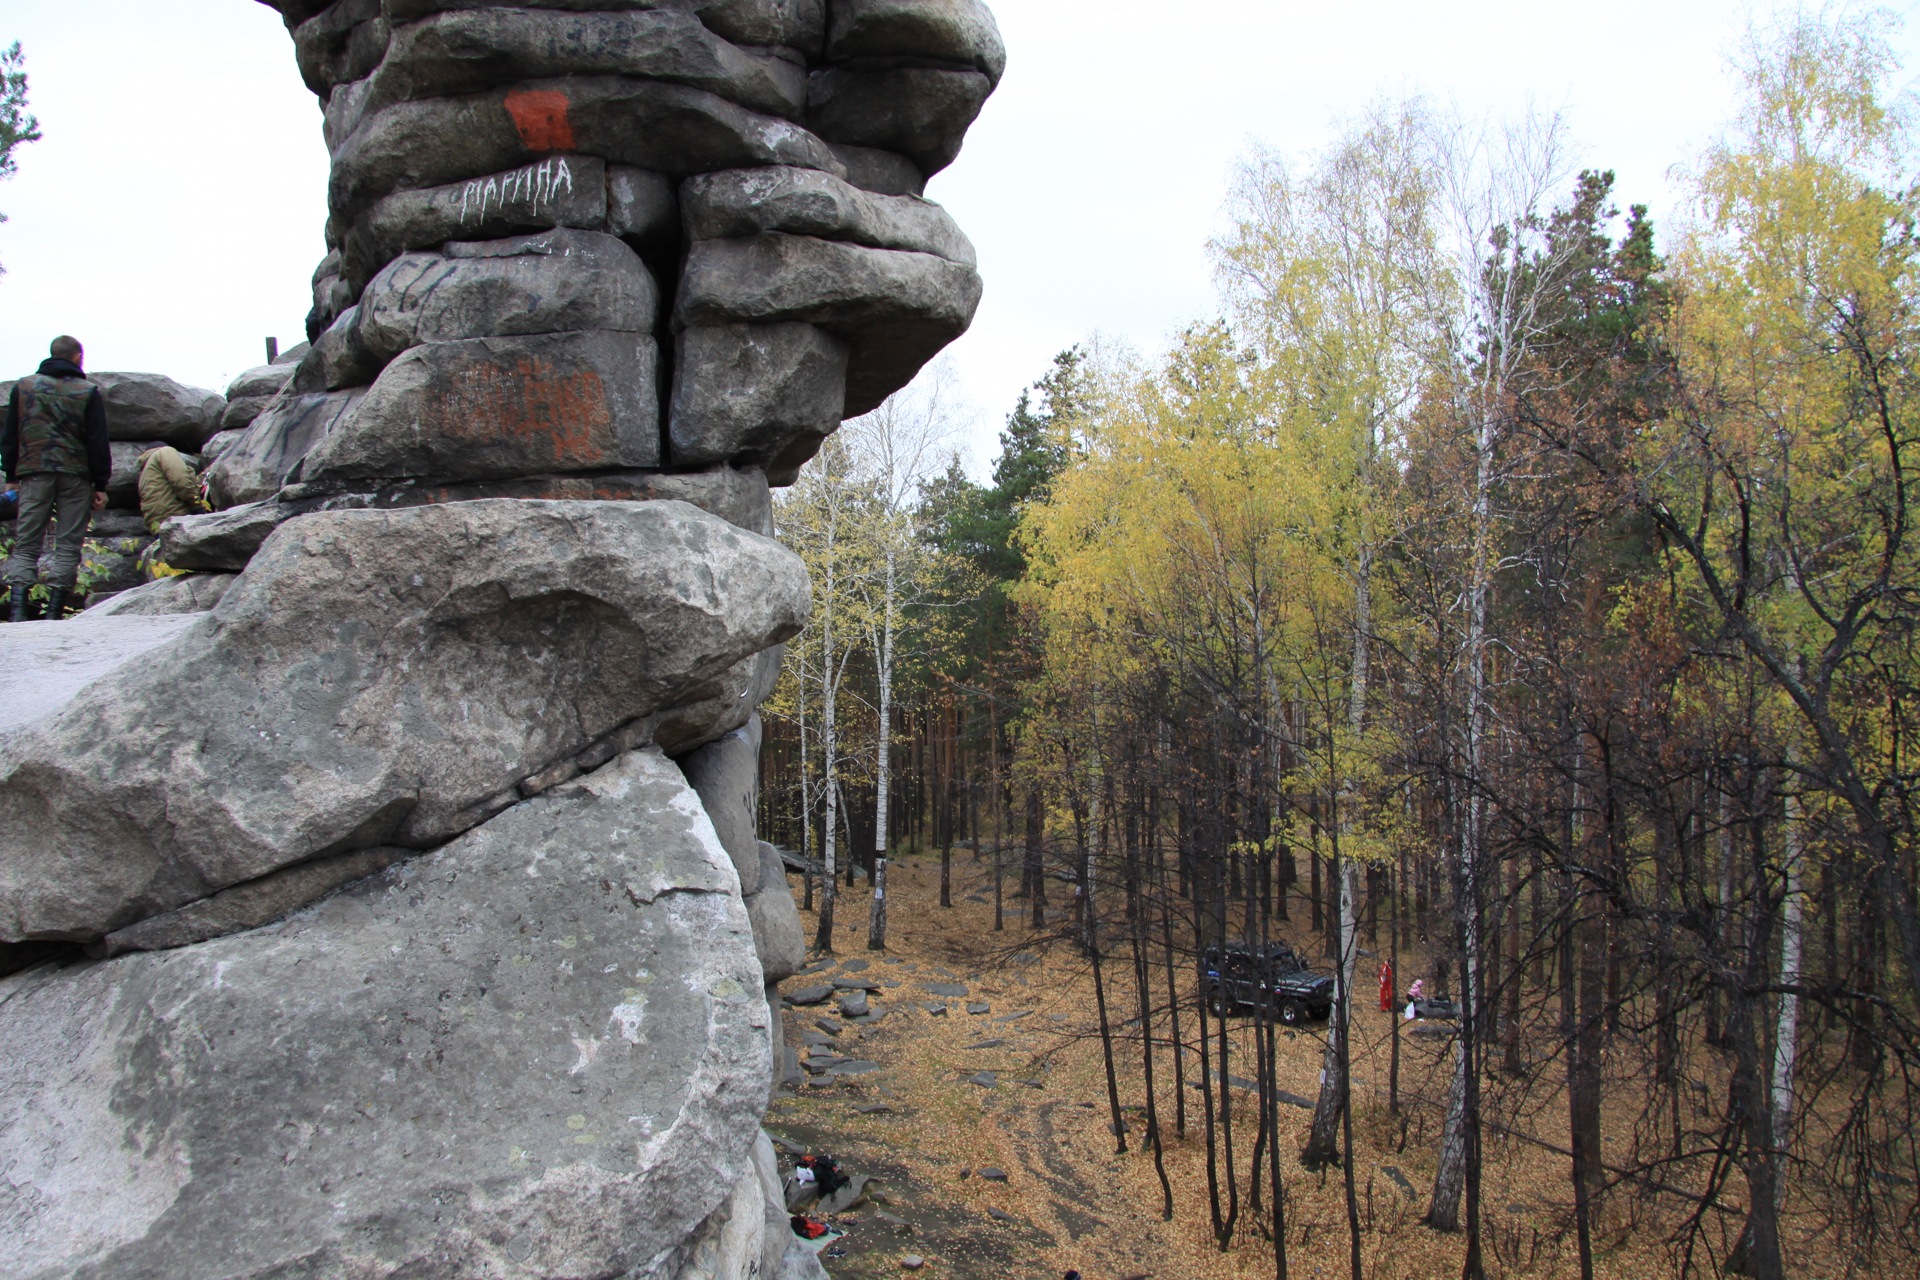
(960, 31)
(642, 207)
(249, 905)
(667, 128)
(341, 42)
(747, 390)
(800, 1263)
(148, 406)
(491, 408)
(49, 663)
(738, 495)
(726, 775)
(744, 202)
(777, 932)
(551, 282)
(332, 294)
(375, 677)
(778, 1232)
(895, 310)
(123, 483)
(798, 24)
(540, 1051)
(220, 441)
(221, 540)
(920, 112)
(338, 359)
(559, 191)
(185, 593)
(466, 51)
(252, 392)
(883, 172)
(728, 1245)
(117, 524)
(258, 463)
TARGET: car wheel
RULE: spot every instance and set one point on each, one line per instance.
(1291, 1012)
(1217, 1005)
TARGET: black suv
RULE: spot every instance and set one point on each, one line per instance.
(1275, 976)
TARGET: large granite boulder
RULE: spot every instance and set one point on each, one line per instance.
(377, 677)
(254, 390)
(553, 282)
(256, 465)
(492, 408)
(538, 1051)
(150, 406)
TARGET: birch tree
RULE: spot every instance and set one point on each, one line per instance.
(1326, 270)
(895, 451)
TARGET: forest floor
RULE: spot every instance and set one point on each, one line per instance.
(1020, 1090)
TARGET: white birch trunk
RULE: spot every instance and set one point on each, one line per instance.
(823, 937)
(883, 765)
(1448, 1179)
(1787, 1033)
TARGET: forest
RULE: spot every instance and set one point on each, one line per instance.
(1501, 588)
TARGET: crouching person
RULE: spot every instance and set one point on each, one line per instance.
(169, 487)
(54, 445)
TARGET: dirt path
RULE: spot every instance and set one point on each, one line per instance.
(988, 1133)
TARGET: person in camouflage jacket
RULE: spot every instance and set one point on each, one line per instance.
(54, 445)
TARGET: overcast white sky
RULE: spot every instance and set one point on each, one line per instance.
(172, 216)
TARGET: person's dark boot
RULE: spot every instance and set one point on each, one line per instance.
(56, 603)
(17, 605)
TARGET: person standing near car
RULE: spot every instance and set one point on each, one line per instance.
(53, 443)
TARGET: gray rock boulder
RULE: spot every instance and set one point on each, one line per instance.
(649, 124)
(778, 936)
(559, 191)
(248, 905)
(220, 441)
(467, 51)
(745, 202)
(340, 42)
(487, 408)
(541, 1050)
(552, 282)
(642, 207)
(748, 390)
(883, 172)
(250, 393)
(956, 31)
(256, 466)
(921, 112)
(895, 310)
(725, 773)
(375, 677)
(222, 540)
(183, 593)
(149, 406)
(338, 359)
(49, 663)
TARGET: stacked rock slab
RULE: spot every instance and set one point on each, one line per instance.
(383, 898)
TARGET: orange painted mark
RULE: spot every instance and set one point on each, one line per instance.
(534, 412)
(541, 117)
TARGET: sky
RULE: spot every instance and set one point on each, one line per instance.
(172, 215)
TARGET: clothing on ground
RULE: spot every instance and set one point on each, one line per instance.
(56, 424)
(66, 501)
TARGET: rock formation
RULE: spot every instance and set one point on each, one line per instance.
(383, 897)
